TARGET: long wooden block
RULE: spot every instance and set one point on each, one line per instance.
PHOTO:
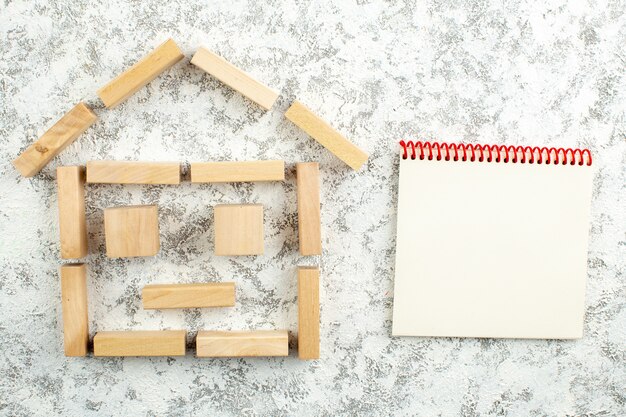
(238, 229)
(131, 231)
(309, 221)
(140, 343)
(308, 313)
(71, 201)
(234, 78)
(239, 344)
(322, 132)
(129, 172)
(57, 138)
(210, 294)
(246, 171)
(74, 305)
(140, 74)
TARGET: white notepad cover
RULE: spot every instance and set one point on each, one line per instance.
(488, 249)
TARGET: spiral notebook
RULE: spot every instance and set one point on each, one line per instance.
(492, 241)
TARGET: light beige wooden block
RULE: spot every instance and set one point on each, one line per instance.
(308, 313)
(131, 231)
(140, 74)
(309, 221)
(238, 229)
(74, 305)
(322, 132)
(57, 138)
(130, 172)
(242, 343)
(209, 294)
(245, 171)
(234, 78)
(140, 343)
(71, 201)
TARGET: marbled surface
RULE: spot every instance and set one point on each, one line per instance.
(519, 72)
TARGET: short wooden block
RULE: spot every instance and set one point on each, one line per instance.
(234, 78)
(74, 305)
(140, 74)
(71, 201)
(131, 231)
(238, 344)
(238, 229)
(309, 221)
(210, 294)
(322, 132)
(140, 343)
(57, 138)
(247, 171)
(128, 172)
(308, 313)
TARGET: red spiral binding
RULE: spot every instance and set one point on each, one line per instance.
(497, 153)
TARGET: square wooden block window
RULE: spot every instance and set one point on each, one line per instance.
(238, 229)
(131, 231)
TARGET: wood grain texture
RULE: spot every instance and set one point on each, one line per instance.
(74, 305)
(131, 231)
(238, 229)
(130, 172)
(140, 74)
(71, 202)
(140, 343)
(57, 138)
(308, 313)
(209, 294)
(328, 137)
(220, 344)
(309, 218)
(244, 171)
(234, 78)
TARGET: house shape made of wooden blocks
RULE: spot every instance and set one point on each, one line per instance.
(133, 231)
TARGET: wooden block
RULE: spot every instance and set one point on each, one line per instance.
(238, 344)
(308, 313)
(140, 343)
(309, 222)
(210, 294)
(234, 78)
(322, 132)
(131, 231)
(238, 229)
(71, 200)
(127, 83)
(57, 138)
(127, 172)
(246, 171)
(74, 304)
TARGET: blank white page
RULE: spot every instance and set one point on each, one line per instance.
(488, 249)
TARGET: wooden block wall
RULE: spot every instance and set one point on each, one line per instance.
(246, 171)
(71, 202)
(140, 343)
(242, 343)
(309, 217)
(308, 313)
(74, 305)
(130, 172)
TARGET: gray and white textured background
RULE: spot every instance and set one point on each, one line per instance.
(519, 72)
